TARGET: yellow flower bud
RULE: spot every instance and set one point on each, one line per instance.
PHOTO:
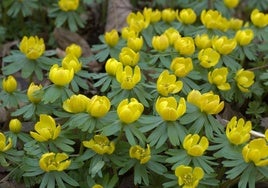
(97, 186)
(168, 15)
(208, 57)
(100, 144)
(185, 45)
(194, 145)
(5, 144)
(126, 33)
(34, 93)
(139, 153)
(33, 47)
(127, 78)
(160, 43)
(111, 38)
(129, 111)
(224, 45)
(71, 62)
(68, 5)
(54, 162)
(127, 56)
(235, 23)
(9, 84)
(219, 77)
(244, 37)
(172, 34)
(74, 49)
(231, 3)
(151, 15)
(258, 18)
(187, 16)
(112, 65)
(181, 66)
(212, 19)
(244, 79)
(60, 76)
(137, 22)
(15, 125)
(202, 41)
(266, 135)
(98, 106)
(76, 103)
(135, 43)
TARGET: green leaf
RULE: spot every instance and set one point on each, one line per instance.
(156, 167)
(60, 19)
(173, 135)
(45, 180)
(68, 179)
(97, 167)
(129, 135)
(140, 174)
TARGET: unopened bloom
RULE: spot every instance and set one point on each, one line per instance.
(9, 84)
(194, 145)
(46, 129)
(71, 62)
(100, 144)
(181, 66)
(141, 154)
(5, 144)
(98, 106)
(129, 111)
(266, 135)
(127, 56)
(111, 38)
(244, 37)
(189, 177)
(135, 43)
(127, 78)
(256, 151)
(169, 109)
(258, 18)
(208, 57)
(206, 102)
(97, 186)
(172, 34)
(160, 43)
(212, 19)
(112, 65)
(151, 15)
(76, 103)
(34, 93)
(137, 22)
(224, 45)
(185, 45)
(187, 16)
(68, 5)
(202, 41)
(235, 23)
(15, 125)
(166, 84)
(231, 3)
(219, 77)
(33, 47)
(74, 49)
(60, 76)
(238, 132)
(168, 15)
(127, 32)
(54, 162)
(244, 79)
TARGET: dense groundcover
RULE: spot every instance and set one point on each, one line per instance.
(175, 95)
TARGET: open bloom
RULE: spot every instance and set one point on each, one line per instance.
(127, 78)
(46, 129)
(244, 37)
(181, 66)
(219, 77)
(5, 144)
(68, 5)
(71, 62)
(135, 43)
(256, 151)
(194, 145)
(60, 76)
(127, 56)
(54, 162)
(168, 15)
(187, 16)
(112, 65)
(129, 111)
(231, 3)
(98, 106)
(206, 102)
(172, 34)
(76, 103)
(244, 79)
(238, 132)
(15, 125)
(208, 57)
(100, 144)
(185, 45)
(74, 49)
(160, 43)
(189, 177)
(258, 18)
(202, 41)
(111, 38)
(169, 109)
(224, 45)
(141, 154)
(166, 84)
(9, 84)
(34, 93)
(33, 47)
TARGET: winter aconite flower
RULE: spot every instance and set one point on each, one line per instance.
(219, 77)
(111, 38)
(126, 33)
(169, 109)
(9, 84)
(141, 154)
(224, 45)
(74, 49)
(238, 132)
(15, 125)
(129, 111)
(46, 129)
(112, 65)
(135, 43)
(100, 144)
(71, 62)
(231, 3)
(54, 162)
(185, 45)
(244, 79)
(137, 22)
(194, 145)
(258, 18)
(34, 93)
(244, 37)
(98, 106)
(187, 16)
(76, 104)
(5, 144)
(152, 16)
(235, 23)
(97, 186)
(212, 19)
(208, 57)
(256, 151)
(168, 15)
(160, 43)
(189, 177)
(60, 76)
(181, 66)
(172, 34)
(202, 41)
(266, 135)
(68, 5)
(33, 47)
(127, 77)
(127, 56)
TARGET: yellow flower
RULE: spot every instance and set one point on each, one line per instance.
(266, 135)
(194, 145)
(33, 47)
(97, 186)
(98, 106)
(189, 177)
(127, 78)
(160, 43)
(139, 153)
(212, 19)
(202, 41)
(45, 129)
(258, 18)
(244, 37)
(185, 45)
(74, 49)
(34, 93)
(172, 34)
(71, 62)
(207, 102)
(60, 76)
(256, 151)
(224, 45)
(166, 84)
(244, 79)
(68, 5)
(4, 146)
(168, 15)
(137, 22)
(169, 109)
(9, 84)
(15, 125)
(151, 15)
(208, 57)
(219, 77)
(76, 103)
(238, 132)
(127, 56)
(127, 32)
(129, 111)
(187, 16)
(181, 66)
(112, 65)
(235, 23)
(135, 43)
(231, 3)
(111, 38)
(100, 144)
(54, 162)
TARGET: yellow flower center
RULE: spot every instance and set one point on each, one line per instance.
(188, 179)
